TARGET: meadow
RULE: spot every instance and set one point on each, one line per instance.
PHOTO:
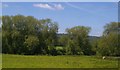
(32, 61)
(0, 60)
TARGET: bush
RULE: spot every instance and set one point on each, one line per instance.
(60, 50)
(52, 50)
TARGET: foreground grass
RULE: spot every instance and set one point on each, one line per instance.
(0, 60)
(21, 61)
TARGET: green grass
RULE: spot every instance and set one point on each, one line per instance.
(22, 61)
(0, 61)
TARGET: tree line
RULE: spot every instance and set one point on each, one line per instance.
(27, 35)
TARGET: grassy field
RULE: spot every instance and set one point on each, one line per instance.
(0, 60)
(21, 61)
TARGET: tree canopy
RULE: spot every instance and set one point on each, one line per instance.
(27, 35)
(109, 42)
(78, 40)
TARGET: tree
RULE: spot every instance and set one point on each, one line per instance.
(78, 40)
(19, 31)
(6, 34)
(94, 45)
(111, 27)
(47, 34)
(109, 43)
(63, 40)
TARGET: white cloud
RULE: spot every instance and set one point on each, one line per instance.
(58, 7)
(50, 7)
(43, 6)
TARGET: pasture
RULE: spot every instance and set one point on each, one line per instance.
(32, 61)
(0, 60)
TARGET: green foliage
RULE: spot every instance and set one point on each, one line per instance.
(78, 40)
(31, 41)
(109, 43)
(63, 40)
(24, 33)
(28, 35)
(60, 50)
(111, 27)
(52, 50)
(94, 45)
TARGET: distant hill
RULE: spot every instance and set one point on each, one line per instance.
(91, 38)
(61, 34)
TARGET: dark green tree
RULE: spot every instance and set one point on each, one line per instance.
(19, 31)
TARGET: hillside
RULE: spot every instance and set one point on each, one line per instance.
(91, 38)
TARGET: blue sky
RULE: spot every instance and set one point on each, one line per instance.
(68, 14)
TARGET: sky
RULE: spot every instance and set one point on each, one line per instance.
(68, 14)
